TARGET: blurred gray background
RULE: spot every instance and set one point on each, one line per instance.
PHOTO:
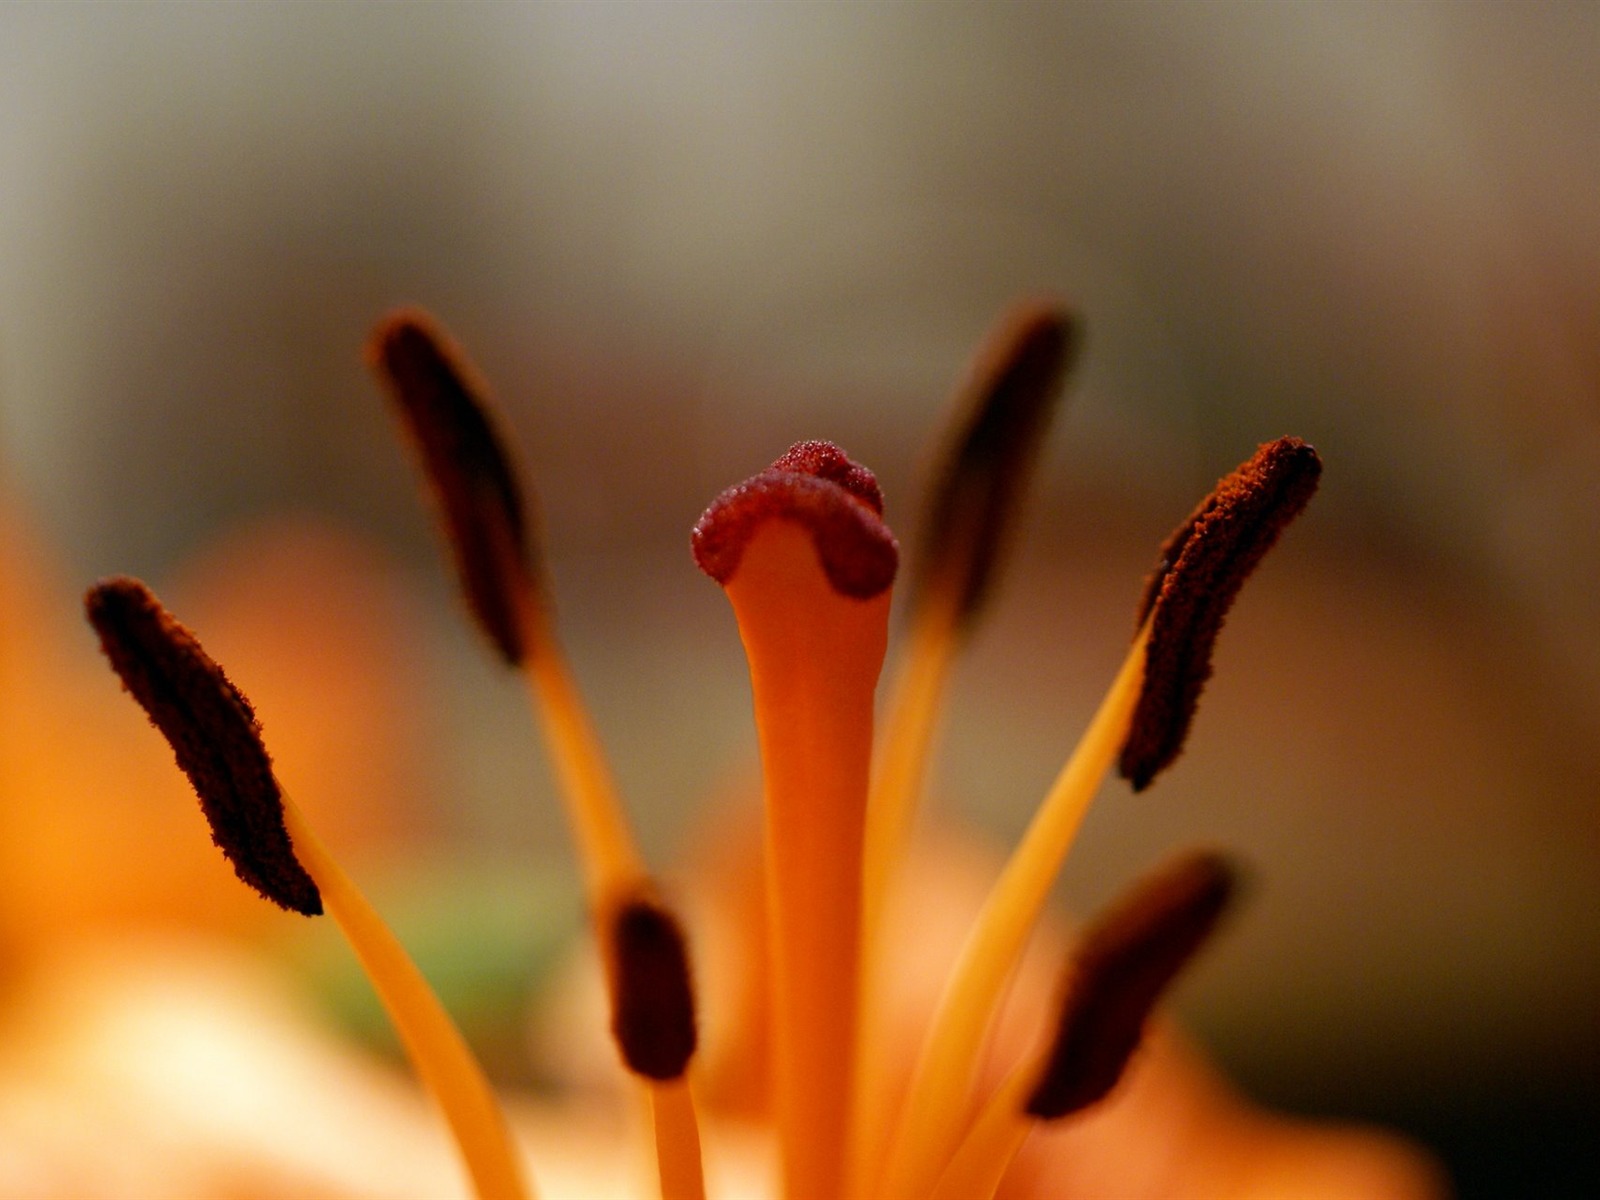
(679, 236)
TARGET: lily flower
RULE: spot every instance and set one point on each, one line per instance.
(808, 564)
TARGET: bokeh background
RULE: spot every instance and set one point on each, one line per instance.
(679, 236)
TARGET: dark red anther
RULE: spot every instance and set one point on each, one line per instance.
(1203, 565)
(213, 731)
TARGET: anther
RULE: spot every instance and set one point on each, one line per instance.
(443, 405)
(1004, 413)
(653, 1017)
(1203, 565)
(213, 732)
(1125, 962)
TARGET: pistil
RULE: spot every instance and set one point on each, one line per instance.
(807, 564)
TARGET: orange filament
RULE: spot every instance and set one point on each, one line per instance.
(677, 1137)
(992, 1141)
(942, 1082)
(610, 860)
(905, 748)
(433, 1043)
(814, 656)
(903, 755)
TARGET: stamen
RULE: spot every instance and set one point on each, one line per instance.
(1206, 561)
(443, 404)
(445, 408)
(1127, 959)
(1123, 964)
(190, 701)
(607, 851)
(679, 1168)
(432, 1042)
(930, 1123)
(653, 1019)
(1001, 416)
(214, 733)
(992, 1142)
(1203, 565)
(807, 565)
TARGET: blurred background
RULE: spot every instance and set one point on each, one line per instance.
(677, 237)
